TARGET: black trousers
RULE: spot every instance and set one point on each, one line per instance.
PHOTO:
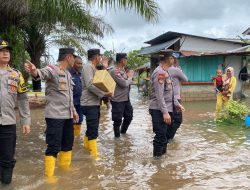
(59, 136)
(92, 114)
(121, 110)
(7, 146)
(176, 123)
(79, 112)
(160, 129)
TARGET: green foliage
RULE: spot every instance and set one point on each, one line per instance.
(234, 113)
(148, 9)
(18, 53)
(134, 61)
(111, 55)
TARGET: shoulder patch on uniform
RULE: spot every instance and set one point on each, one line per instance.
(161, 77)
(117, 71)
(51, 67)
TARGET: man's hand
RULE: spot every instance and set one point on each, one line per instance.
(26, 129)
(30, 68)
(180, 108)
(130, 74)
(108, 94)
(75, 117)
(167, 118)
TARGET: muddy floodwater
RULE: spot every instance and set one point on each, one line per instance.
(202, 156)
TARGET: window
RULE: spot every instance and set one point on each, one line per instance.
(200, 69)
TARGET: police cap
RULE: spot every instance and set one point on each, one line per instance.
(120, 56)
(65, 51)
(4, 44)
(93, 52)
(166, 53)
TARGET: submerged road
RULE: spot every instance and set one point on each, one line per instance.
(202, 156)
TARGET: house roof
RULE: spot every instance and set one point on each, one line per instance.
(246, 32)
(144, 67)
(236, 52)
(171, 35)
(157, 48)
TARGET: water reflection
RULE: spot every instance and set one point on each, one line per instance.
(202, 156)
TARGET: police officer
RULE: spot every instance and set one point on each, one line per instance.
(162, 102)
(90, 101)
(76, 72)
(59, 110)
(178, 76)
(121, 105)
(13, 90)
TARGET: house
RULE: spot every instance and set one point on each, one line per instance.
(246, 32)
(201, 57)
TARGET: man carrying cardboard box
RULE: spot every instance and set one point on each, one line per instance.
(90, 101)
(121, 105)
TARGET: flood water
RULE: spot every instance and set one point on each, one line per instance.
(202, 156)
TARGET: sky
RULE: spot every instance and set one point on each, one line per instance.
(210, 18)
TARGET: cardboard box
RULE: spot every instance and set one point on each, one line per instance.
(104, 81)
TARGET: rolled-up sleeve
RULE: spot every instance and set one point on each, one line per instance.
(87, 76)
(159, 93)
(44, 73)
(182, 77)
(24, 109)
(123, 83)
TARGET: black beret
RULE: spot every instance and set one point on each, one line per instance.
(4, 44)
(92, 52)
(65, 51)
(166, 53)
(120, 56)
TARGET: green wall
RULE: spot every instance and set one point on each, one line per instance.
(200, 69)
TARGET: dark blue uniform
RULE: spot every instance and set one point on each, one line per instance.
(77, 92)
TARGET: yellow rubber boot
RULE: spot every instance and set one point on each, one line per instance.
(50, 162)
(64, 159)
(77, 130)
(86, 143)
(93, 149)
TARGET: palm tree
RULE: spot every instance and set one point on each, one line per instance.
(63, 22)
(148, 9)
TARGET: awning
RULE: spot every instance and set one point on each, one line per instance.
(156, 48)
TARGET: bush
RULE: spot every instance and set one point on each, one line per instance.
(234, 113)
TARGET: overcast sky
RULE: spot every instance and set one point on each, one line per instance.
(211, 18)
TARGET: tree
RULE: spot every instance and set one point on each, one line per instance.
(64, 22)
(111, 55)
(148, 9)
(12, 18)
(135, 61)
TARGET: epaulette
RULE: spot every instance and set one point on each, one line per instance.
(17, 71)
